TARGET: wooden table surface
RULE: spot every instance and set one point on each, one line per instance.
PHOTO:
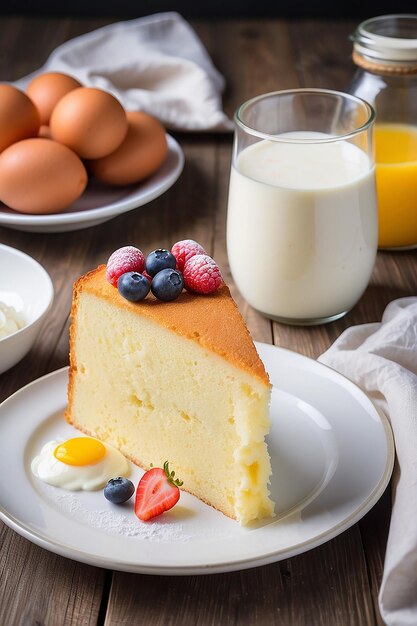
(335, 584)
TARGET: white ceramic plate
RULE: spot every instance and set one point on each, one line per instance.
(100, 203)
(332, 456)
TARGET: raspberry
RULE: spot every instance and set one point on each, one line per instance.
(202, 274)
(185, 250)
(127, 259)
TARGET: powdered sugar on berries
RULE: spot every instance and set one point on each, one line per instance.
(126, 259)
(184, 250)
(202, 274)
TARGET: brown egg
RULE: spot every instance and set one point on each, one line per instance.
(45, 90)
(40, 176)
(90, 121)
(142, 152)
(19, 118)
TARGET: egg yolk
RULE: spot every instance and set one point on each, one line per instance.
(80, 451)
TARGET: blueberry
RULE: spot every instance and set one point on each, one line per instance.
(133, 286)
(158, 260)
(118, 490)
(167, 285)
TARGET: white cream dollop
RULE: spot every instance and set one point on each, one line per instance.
(10, 320)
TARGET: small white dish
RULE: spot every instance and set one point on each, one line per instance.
(27, 287)
(332, 455)
(100, 203)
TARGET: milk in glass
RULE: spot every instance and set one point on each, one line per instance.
(302, 226)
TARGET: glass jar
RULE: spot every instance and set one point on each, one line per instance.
(385, 51)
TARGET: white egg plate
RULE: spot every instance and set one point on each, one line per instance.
(100, 203)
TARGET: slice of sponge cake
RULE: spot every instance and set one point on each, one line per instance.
(178, 381)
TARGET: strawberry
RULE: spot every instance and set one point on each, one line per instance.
(157, 492)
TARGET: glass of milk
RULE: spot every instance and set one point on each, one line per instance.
(302, 224)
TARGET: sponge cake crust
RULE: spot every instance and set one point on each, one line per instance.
(200, 318)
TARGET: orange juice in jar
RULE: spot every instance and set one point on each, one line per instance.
(396, 183)
(385, 51)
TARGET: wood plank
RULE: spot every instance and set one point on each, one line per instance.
(38, 587)
(27, 42)
(324, 52)
(306, 589)
(374, 531)
(255, 56)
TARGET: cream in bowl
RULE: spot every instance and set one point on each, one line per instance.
(26, 294)
(10, 320)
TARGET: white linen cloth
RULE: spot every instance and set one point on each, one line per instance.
(382, 359)
(155, 64)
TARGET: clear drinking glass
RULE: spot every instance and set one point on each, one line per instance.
(302, 223)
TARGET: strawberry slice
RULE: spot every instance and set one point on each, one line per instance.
(157, 492)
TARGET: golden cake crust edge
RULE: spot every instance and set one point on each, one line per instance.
(205, 329)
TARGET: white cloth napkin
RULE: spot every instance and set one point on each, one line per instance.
(155, 64)
(382, 359)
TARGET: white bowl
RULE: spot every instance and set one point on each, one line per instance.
(25, 285)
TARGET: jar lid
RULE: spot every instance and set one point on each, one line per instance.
(387, 40)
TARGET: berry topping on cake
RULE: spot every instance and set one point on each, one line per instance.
(159, 260)
(157, 492)
(167, 285)
(126, 259)
(184, 250)
(133, 286)
(119, 490)
(164, 272)
(202, 274)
